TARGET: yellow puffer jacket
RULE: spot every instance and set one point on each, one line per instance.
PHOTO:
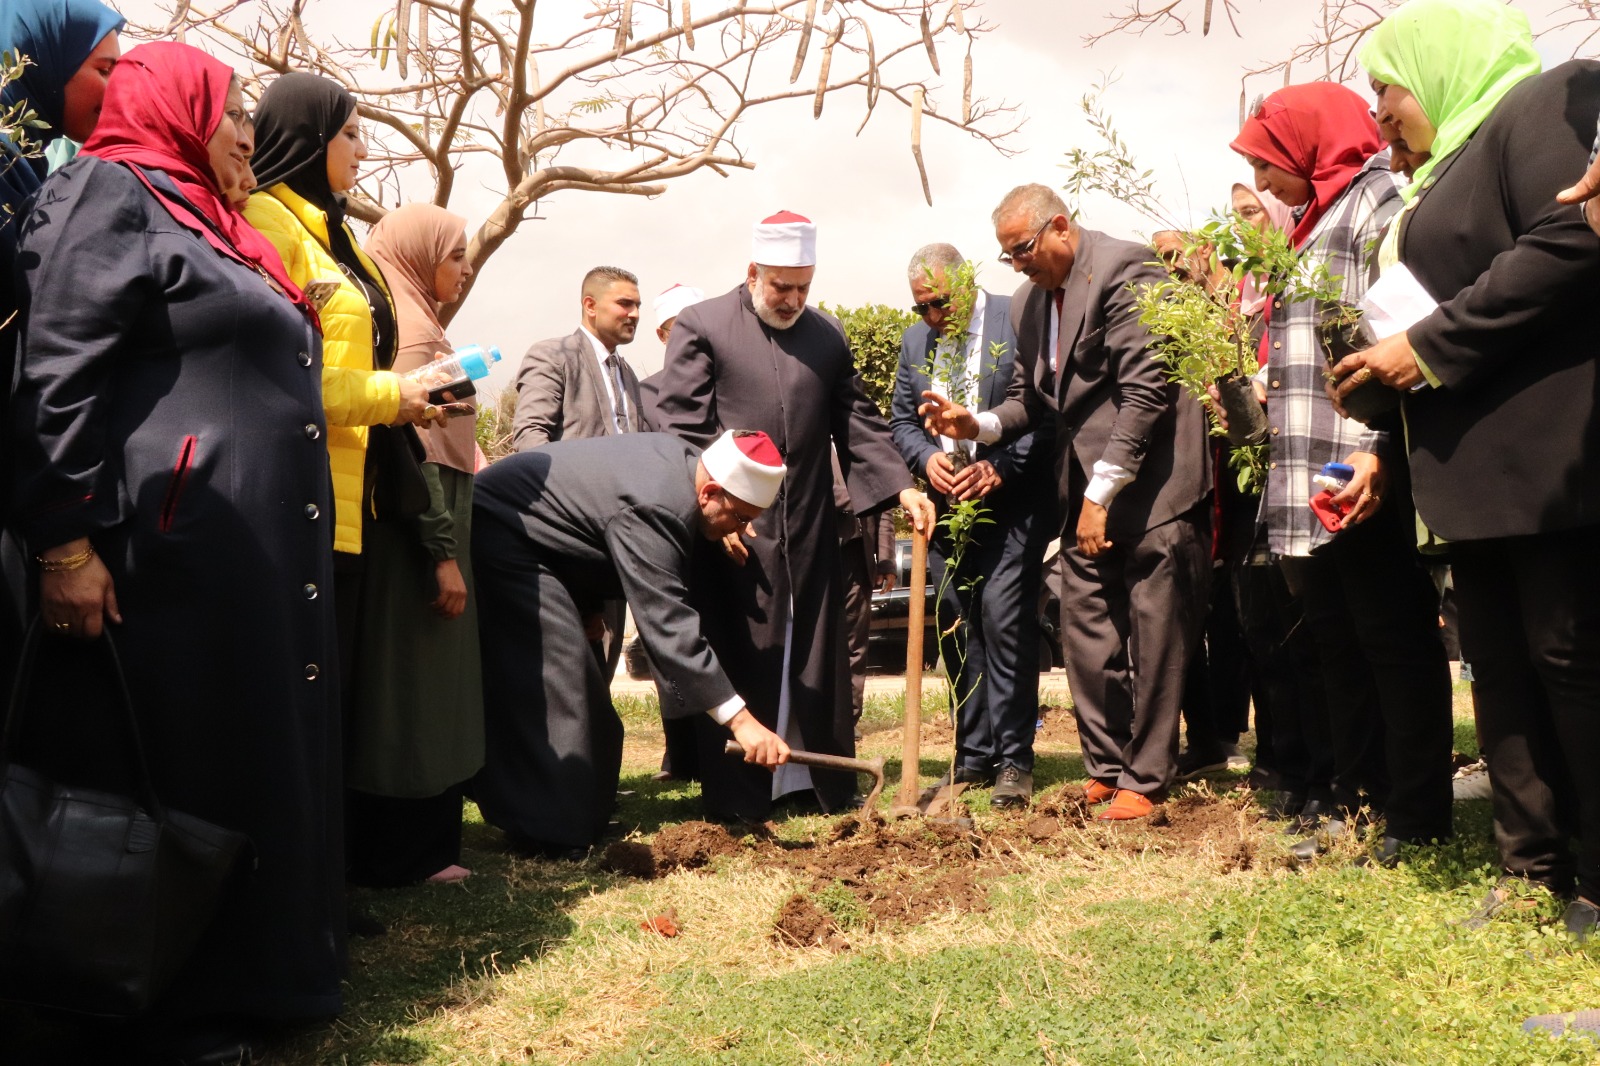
(354, 395)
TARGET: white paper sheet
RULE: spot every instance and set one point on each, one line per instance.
(1394, 302)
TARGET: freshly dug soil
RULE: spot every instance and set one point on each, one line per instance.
(905, 872)
(1059, 726)
(802, 924)
(691, 845)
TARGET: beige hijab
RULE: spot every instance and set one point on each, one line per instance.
(409, 243)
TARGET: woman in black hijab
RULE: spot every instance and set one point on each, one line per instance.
(308, 153)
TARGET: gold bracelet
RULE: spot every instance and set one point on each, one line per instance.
(67, 562)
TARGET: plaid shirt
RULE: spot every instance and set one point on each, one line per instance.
(1305, 433)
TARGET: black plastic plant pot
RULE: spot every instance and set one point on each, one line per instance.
(1247, 419)
(1371, 400)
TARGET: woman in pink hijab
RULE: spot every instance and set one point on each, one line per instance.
(416, 728)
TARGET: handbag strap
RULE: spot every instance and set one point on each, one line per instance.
(21, 686)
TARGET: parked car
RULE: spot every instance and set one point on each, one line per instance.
(886, 648)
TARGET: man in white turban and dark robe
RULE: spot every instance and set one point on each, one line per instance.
(758, 357)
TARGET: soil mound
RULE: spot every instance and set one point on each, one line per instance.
(691, 845)
(1057, 725)
(802, 924)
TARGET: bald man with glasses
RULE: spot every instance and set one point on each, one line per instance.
(1133, 478)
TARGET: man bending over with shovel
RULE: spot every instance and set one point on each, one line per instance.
(557, 531)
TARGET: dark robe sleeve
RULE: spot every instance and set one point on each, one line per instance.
(686, 392)
(650, 549)
(873, 470)
(84, 275)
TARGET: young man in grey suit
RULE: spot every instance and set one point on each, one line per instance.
(580, 385)
(994, 592)
(1133, 476)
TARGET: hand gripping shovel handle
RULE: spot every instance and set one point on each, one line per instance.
(830, 762)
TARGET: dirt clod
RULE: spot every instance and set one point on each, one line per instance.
(665, 923)
(691, 845)
(1042, 827)
(802, 924)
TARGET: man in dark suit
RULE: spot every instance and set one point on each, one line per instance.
(608, 517)
(993, 653)
(579, 385)
(1133, 476)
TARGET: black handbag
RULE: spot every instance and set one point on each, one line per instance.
(394, 473)
(102, 896)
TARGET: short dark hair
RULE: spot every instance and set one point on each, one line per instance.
(601, 278)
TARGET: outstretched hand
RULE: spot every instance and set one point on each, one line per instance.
(945, 418)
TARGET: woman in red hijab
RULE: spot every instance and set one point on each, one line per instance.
(1369, 604)
(173, 489)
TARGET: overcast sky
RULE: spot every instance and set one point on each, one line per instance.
(1176, 104)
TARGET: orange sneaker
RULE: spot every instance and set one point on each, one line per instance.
(1125, 806)
(1097, 792)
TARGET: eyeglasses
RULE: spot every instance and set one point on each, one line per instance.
(1026, 248)
(923, 308)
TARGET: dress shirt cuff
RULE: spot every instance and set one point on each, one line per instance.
(727, 710)
(988, 427)
(1108, 480)
(1427, 375)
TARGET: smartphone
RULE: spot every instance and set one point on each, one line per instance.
(457, 410)
(452, 391)
(320, 291)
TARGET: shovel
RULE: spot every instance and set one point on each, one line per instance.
(832, 762)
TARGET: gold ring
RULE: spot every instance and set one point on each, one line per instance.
(430, 412)
(1362, 376)
(63, 626)
(1374, 496)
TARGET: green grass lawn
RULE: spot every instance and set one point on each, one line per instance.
(1105, 947)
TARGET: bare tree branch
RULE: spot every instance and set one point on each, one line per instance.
(643, 92)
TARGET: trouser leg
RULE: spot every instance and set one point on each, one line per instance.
(962, 650)
(1166, 578)
(1094, 629)
(1394, 609)
(1008, 611)
(1348, 710)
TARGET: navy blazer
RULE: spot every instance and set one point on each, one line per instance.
(1022, 459)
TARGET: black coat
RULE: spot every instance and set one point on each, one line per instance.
(1510, 445)
(169, 407)
(725, 369)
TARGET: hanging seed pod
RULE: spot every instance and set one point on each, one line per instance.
(402, 43)
(1241, 106)
(536, 90)
(1205, 22)
(625, 25)
(958, 17)
(927, 40)
(688, 26)
(827, 63)
(805, 41)
(916, 143)
(872, 70)
(827, 6)
(966, 90)
(627, 126)
(424, 56)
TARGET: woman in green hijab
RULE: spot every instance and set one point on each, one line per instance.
(1501, 391)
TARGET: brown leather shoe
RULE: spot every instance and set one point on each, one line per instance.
(1125, 806)
(1098, 792)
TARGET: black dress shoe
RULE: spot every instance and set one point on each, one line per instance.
(1013, 788)
(545, 849)
(1579, 919)
(1310, 817)
(1387, 854)
(1320, 841)
(204, 1042)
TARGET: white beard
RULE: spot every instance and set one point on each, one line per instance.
(765, 312)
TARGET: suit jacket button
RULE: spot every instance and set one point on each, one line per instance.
(311, 431)
(312, 671)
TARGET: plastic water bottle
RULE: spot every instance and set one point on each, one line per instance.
(1335, 477)
(451, 378)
